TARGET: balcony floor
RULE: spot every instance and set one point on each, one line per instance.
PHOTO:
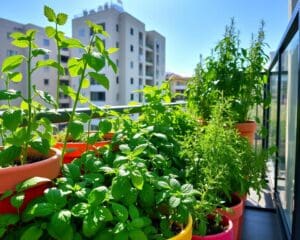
(260, 219)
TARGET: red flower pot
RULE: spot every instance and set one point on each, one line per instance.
(235, 215)
(226, 235)
(247, 130)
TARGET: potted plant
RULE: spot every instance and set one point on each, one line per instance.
(93, 60)
(234, 72)
(26, 138)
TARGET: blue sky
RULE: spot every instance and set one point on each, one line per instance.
(191, 27)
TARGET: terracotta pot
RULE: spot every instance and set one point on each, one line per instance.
(47, 168)
(235, 215)
(226, 235)
(11, 176)
(76, 149)
(247, 130)
(186, 233)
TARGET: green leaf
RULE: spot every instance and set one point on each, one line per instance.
(112, 50)
(90, 225)
(12, 119)
(9, 94)
(72, 43)
(3, 230)
(95, 61)
(9, 154)
(71, 171)
(125, 149)
(41, 209)
(15, 77)
(100, 79)
(187, 188)
(41, 145)
(75, 67)
(121, 235)
(47, 97)
(20, 43)
(174, 183)
(40, 51)
(174, 201)
(80, 210)
(161, 136)
(97, 195)
(6, 194)
(49, 14)
(163, 184)
(12, 62)
(76, 129)
(31, 182)
(137, 179)
(104, 214)
(18, 35)
(137, 234)
(105, 126)
(32, 233)
(100, 45)
(133, 212)
(50, 63)
(147, 195)
(61, 18)
(56, 197)
(17, 200)
(50, 32)
(85, 83)
(112, 65)
(139, 149)
(120, 187)
(120, 211)
(8, 219)
(60, 221)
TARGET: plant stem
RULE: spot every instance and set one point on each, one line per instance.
(76, 100)
(29, 100)
(58, 61)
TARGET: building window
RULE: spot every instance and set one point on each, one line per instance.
(131, 64)
(131, 96)
(131, 31)
(11, 53)
(157, 47)
(117, 44)
(46, 82)
(117, 62)
(8, 35)
(46, 56)
(97, 96)
(64, 105)
(131, 80)
(81, 32)
(64, 82)
(64, 59)
(157, 59)
(117, 79)
(66, 71)
(93, 81)
(117, 27)
(140, 38)
(131, 48)
(140, 81)
(117, 97)
(46, 42)
(140, 97)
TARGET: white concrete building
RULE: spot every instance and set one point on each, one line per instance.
(45, 78)
(140, 59)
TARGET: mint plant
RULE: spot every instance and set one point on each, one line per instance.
(21, 128)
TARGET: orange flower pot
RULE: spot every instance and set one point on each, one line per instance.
(247, 130)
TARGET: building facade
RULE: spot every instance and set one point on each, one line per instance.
(178, 85)
(45, 78)
(140, 59)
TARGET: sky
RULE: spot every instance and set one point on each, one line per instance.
(191, 27)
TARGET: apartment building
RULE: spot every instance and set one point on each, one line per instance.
(45, 78)
(140, 59)
(178, 84)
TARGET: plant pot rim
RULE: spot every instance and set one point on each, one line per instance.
(186, 233)
(47, 168)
